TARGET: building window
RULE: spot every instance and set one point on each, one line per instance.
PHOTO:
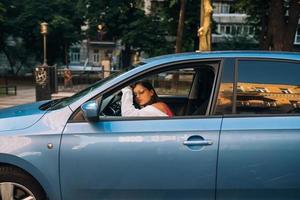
(225, 8)
(96, 56)
(221, 8)
(228, 30)
(297, 37)
(261, 90)
(286, 91)
(235, 29)
(75, 55)
(240, 88)
(3, 62)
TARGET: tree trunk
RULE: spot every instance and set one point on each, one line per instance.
(178, 47)
(282, 29)
(277, 25)
(126, 56)
(293, 19)
(11, 62)
(263, 35)
(66, 55)
(204, 32)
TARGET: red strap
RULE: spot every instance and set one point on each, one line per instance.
(169, 111)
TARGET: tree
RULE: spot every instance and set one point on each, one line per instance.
(277, 21)
(170, 15)
(20, 30)
(10, 45)
(2, 12)
(127, 22)
(237, 42)
(63, 21)
(205, 31)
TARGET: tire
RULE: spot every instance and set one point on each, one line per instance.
(16, 184)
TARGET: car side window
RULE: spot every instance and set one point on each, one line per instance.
(174, 82)
(186, 91)
(268, 87)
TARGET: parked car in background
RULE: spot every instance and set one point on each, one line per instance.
(235, 134)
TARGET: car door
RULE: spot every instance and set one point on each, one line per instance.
(259, 144)
(140, 158)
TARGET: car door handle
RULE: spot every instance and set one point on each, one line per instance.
(198, 142)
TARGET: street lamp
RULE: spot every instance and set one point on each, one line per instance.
(44, 32)
(45, 76)
(101, 31)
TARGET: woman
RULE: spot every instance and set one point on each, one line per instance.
(147, 99)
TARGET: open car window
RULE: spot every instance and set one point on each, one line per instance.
(185, 91)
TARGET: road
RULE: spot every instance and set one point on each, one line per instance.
(25, 94)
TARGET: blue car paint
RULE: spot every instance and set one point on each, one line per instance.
(259, 158)
(127, 162)
(29, 150)
(20, 117)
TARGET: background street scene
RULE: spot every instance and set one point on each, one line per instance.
(50, 49)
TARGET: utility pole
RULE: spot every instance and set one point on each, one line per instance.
(204, 32)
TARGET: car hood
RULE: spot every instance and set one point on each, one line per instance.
(20, 117)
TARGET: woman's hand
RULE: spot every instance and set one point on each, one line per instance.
(126, 89)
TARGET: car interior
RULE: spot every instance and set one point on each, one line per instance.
(191, 98)
(195, 102)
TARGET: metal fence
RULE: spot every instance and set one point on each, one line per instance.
(79, 80)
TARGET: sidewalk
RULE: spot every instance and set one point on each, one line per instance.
(26, 94)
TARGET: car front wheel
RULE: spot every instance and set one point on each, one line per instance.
(16, 185)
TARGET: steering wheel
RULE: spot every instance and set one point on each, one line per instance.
(112, 106)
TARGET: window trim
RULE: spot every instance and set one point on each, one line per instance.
(224, 64)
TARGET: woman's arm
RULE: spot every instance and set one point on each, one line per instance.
(128, 109)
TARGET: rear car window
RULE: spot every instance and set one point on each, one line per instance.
(268, 87)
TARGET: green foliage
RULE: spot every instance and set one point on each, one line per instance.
(238, 42)
(23, 20)
(276, 21)
(2, 12)
(170, 16)
(255, 9)
(126, 21)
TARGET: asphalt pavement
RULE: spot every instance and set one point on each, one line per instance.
(26, 94)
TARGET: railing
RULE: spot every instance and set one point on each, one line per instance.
(7, 89)
(79, 80)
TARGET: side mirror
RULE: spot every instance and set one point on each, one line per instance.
(90, 110)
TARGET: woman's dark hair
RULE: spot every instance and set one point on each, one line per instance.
(148, 85)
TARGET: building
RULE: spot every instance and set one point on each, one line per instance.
(264, 96)
(91, 52)
(228, 22)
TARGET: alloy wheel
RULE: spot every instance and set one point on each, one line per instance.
(15, 191)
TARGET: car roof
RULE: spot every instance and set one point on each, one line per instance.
(225, 54)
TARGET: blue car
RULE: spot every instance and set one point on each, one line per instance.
(235, 134)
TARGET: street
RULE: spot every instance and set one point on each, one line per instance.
(26, 94)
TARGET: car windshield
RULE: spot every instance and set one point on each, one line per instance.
(59, 103)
